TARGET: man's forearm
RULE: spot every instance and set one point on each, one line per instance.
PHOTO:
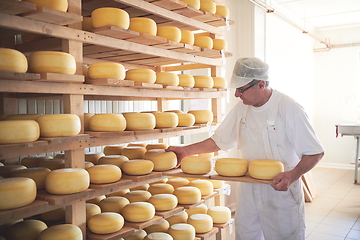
(206, 146)
(307, 163)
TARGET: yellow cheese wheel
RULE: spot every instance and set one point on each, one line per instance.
(193, 3)
(33, 161)
(201, 209)
(108, 16)
(91, 210)
(137, 145)
(217, 183)
(161, 188)
(107, 122)
(163, 180)
(141, 187)
(167, 78)
(180, 217)
(156, 146)
(38, 174)
(162, 160)
(186, 80)
(113, 204)
(209, 155)
(28, 229)
(219, 44)
(52, 164)
(137, 167)
(231, 167)
(88, 165)
(93, 157)
(138, 212)
(219, 82)
(219, 214)
(208, 6)
(187, 37)
(13, 61)
(16, 192)
(113, 149)
(7, 170)
(107, 70)
(203, 42)
(265, 168)
(175, 111)
(138, 235)
(96, 200)
(87, 24)
(196, 165)
(202, 81)
(22, 117)
(59, 125)
(178, 182)
(56, 215)
(138, 196)
(163, 202)
(105, 173)
(202, 116)
(18, 131)
(118, 193)
(52, 62)
(67, 181)
(141, 75)
(158, 236)
(161, 226)
(186, 119)
(187, 195)
(105, 223)
(201, 222)
(205, 186)
(116, 160)
(143, 25)
(61, 5)
(169, 32)
(61, 232)
(134, 152)
(87, 117)
(181, 231)
(139, 121)
(222, 11)
(166, 119)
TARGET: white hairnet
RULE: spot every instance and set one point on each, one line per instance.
(248, 69)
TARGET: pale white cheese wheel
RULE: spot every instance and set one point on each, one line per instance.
(93, 157)
(219, 44)
(29, 229)
(33, 161)
(113, 149)
(67, 181)
(61, 5)
(219, 214)
(203, 42)
(167, 78)
(208, 6)
(138, 235)
(16, 192)
(108, 16)
(187, 195)
(87, 117)
(180, 217)
(156, 146)
(52, 164)
(105, 223)
(231, 167)
(201, 209)
(137, 167)
(7, 170)
(219, 82)
(38, 174)
(143, 25)
(203, 81)
(138, 212)
(113, 204)
(19, 131)
(163, 202)
(111, 70)
(138, 196)
(169, 32)
(201, 222)
(116, 160)
(196, 165)
(91, 210)
(178, 182)
(139, 121)
(141, 75)
(107, 122)
(217, 183)
(193, 3)
(134, 152)
(202, 116)
(186, 119)
(61, 232)
(22, 116)
(161, 188)
(166, 119)
(104, 173)
(181, 231)
(162, 160)
(222, 11)
(158, 236)
(13, 61)
(162, 226)
(186, 80)
(205, 186)
(56, 215)
(187, 37)
(59, 125)
(265, 168)
(52, 62)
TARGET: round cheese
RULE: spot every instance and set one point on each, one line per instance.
(186, 119)
(265, 168)
(28, 229)
(205, 186)
(187, 195)
(33, 161)
(143, 25)
(201, 222)
(61, 5)
(52, 62)
(22, 116)
(138, 235)
(163, 180)
(107, 122)
(193, 3)
(137, 145)
(208, 6)
(167, 78)
(91, 210)
(162, 226)
(93, 157)
(158, 236)
(156, 146)
(61, 232)
(202, 81)
(231, 167)
(107, 70)
(113, 204)
(180, 217)
(87, 24)
(196, 165)
(141, 75)
(162, 160)
(67, 181)
(217, 183)
(108, 16)
(138, 212)
(178, 182)
(16, 192)
(7, 170)
(219, 44)
(59, 125)
(161, 188)
(88, 165)
(96, 200)
(116, 160)
(203, 42)
(140, 121)
(134, 152)
(105, 173)
(13, 61)
(181, 231)
(186, 80)
(19, 131)
(222, 11)
(105, 223)
(52, 164)
(187, 37)
(163, 202)
(169, 32)
(87, 117)
(219, 82)
(57, 215)
(175, 111)
(166, 119)
(201, 209)
(138, 196)
(38, 174)
(118, 193)
(113, 149)
(209, 155)
(202, 116)
(137, 167)
(219, 214)
(141, 187)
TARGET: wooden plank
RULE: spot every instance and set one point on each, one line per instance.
(7, 150)
(208, 234)
(173, 87)
(148, 39)
(112, 187)
(142, 178)
(116, 32)
(223, 225)
(245, 178)
(59, 77)
(169, 45)
(68, 139)
(50, 15)
(212, 195)
(16, 7)
(147, 85)
(169, 213)
(309, 184)
(175, 129)
(207, 17)
(47, 44)
(123, 232)
(189, 206)
(110, 134)
(186, 48)
(189, 12)
(19, 76)
(170, 4)
(142, 225)
(61, 200)
(110, 81)
(179, 173)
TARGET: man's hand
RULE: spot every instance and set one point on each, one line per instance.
(180, 153)
(283, 181)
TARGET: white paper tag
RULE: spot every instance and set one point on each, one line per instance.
(210, 129)
(231, 226)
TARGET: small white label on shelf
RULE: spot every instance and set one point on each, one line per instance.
(231, 227)
(211, 130)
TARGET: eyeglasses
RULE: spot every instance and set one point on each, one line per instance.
(241, 91)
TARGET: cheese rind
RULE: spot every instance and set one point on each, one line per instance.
(116, 160)
(219, 82)
(166, 120)
(105, 223)
(91, 210)
(113, 149)
(158, 236)
(7, 170)
(178, 182)
(138, 196)
(67, 181)
(162, 160)
(186, 119)
(219, 44)
(186, 80)
(141, 75)
(107, 122)
(187, 37)
(205, 186)
(13, 61)
(181, 231)
(113, 204)
(33, 161)
(162, 226)
(196, 165)
(163, 202)
(167, 78)
(219, 214)
(201, 209)
(134, 152)
(143, 25)
(59, 125)
(137, 167)
(139, 121)
(19, 131)
(156, 146)
(52, 62)
(231, 167)
(208, 6)
(203, 42)
(202, 116)
(38, 174)
(265, 168)
(161, 188)
(201, 222)
(61, 5)
(108, 16)
(203, 81)
(169, 32)
(61, 232)
(28, 229)
(187, 195)
(104, 173)
(222, 11)
(138, 212)
(110, 70)
(93, 157)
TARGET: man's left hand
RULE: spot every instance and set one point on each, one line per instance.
(283, 181)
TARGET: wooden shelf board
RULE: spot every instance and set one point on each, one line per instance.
(110, 134)
(67, 139)
(110, 82)
(148, 39)
(142, 225)
(174, 129)
(167, 214)
(207, 197)
(53, 199)
(16, 7)
(170, 4)
(112, 187)
(189, 206)
(142, 178)
(144, 132)
(207, 17)
(147, 85)
(179, 173)
(116, 32)
(123, 232)
(245, 178)
(8, 150)
(19, 76)
(222, 225)
(50, 15)
(207, 235)
(59, 77)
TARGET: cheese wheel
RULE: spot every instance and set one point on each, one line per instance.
(52, 164)
(156, 146)
(105, 173)
(107, 122)
(219, 214)
(67, 181)
(137, 145)
(201, 209)
(209, 155)
(180, 217)
(88, 165)
(93, 157)
(163, 202)
(137, 167)
(166, 119)
(167, 78)
(202, 81)
(265, 168)
(219, 44)
(87, 24)
(143, 25)
(141, 187)
(108, 16)
(38, 174)
(134, 152)
(138, 212)
(91, 210)
(111, 70)
(217, 183)
(186, 80)
(186, 119)
(162, 160)
(61, 232)
(161, 188)
(181, 231)
(13, 61)
(175, 111)
(193, 3)
(222, 11)
(56, 215)
(28, 229)
(34, 161)
(140, 121)
(219, 82)
(116, 160)
(158, 236)
(113, 149)
(7, 170)
(22, 116)
(52, 62)
(87, 117)
(196, 165)
(138, 196)
(163, 180)
(231, 167)
(203, 42)
(59, 125)
(96, 200)
(61, 5)
(205, 187)
(161, 226)
(208, 6)
(178, 182)
(201, 222)
(105, 223)
(16, 192)
(202, 116)
(113, 204)
(187, 195)
(187, 37)
(118, 193)
(169, 32)
(19, 131)
(138, 235)
(141, 75)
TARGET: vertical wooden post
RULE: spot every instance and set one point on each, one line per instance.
(8, 104)
(216, 102)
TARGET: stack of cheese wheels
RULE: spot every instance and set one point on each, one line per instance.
(186, 119)
(91, 210)
(18, 131)
(137, 167)
(116, 160)
(219, 82)
(167, 78)
(162, 160)
(61, 5)
(12, 61)
(180, 217)
(61, 232)
(178, 182)
(52, 164)
(135, 152)
(203, 42)
(203, 81)
(93, 157)
(106, 223)
(105, 173)
(181, 231)
(265, 168)
(161, 188)
(138, 212)
(158, 236)
(143, 25)
(67, 181)
(7, 170)
(141, 75)
(208, 6)
(187, 37)
(138, 235)
(193, 3)
(187, 195)
(107, 122)
(169, 32)
(201, 222)
(138, 196)
(33, 161)
(108, 16)
(96, 200)
(222, 11)
(219, 44)
(113, 204)
(59, 125)
(56, 215)
(219, 214)
(22, 116)
(113, 149)
(141, 187)
(231, 167)
(52, 62)
(107, 70)
(205, 186)
(16, 192)
(139, 121)
(87, 117)
(27, 229)
(201, 209)
(196, 165)
(202, 116)
(186, 80)
(156, 146)
(161, 226)
(38, 174)
(87, 24)
(166, 119)
(164, 201)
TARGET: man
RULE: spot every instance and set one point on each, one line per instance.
(266, 124)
